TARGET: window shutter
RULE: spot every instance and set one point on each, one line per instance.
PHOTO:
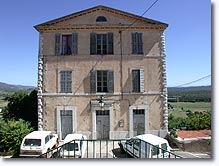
(142, 80)
(134, 45)
(93, 81)
(110, 43)
(93, 43)
(110, 81)
(57, 43)
(139, 43)
(74, 43)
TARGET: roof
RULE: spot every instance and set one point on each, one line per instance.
(194, 134)
(152, 139)
(135, 17)
(38, 134)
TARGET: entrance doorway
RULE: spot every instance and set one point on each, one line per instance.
(66, 122)
(138, 121)
(102, 124)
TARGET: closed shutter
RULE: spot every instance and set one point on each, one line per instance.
(110, 81)
(142, 80)
(137, 44)
(57, 43)
(74, 43)
(93, 43)
(93, 81)
(110, 43)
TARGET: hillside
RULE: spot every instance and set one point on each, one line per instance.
(7, 88)
(190, 94)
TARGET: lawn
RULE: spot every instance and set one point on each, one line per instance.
(180, 108)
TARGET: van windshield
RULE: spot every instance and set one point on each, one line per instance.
(71, 147)
(32, 142)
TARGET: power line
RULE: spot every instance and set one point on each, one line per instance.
(200, 79)
(143, 13)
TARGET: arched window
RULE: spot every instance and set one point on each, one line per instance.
(101, 19)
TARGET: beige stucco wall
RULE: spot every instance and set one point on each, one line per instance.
(80, 65)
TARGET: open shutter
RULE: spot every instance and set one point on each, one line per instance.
(57, 43)
(74, 43)
(110, 43)
(142, 80)
(139, 43)
(93, 81)
(134, 43)
(93, 43)
(110, 81)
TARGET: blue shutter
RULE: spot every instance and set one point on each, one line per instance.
(93, 81)
(74, 43)
(93, 43)
(57, 43)
(110, 81)
(110, 43)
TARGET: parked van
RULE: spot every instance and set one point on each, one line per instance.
(37, 143)
(146, 146)
(74, 146)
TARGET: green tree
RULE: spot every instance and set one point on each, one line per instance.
(22, 105)
(12, 133)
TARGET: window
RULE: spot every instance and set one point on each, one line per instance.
(138, 80)
(66, 81)
(66, 44)
(102, 81)
(101, 44)
(137, 45)
(101, 19)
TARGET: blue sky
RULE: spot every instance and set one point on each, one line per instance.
(188, 37)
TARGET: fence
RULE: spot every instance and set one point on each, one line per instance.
(103, 149)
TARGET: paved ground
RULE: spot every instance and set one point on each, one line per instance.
(193, 155)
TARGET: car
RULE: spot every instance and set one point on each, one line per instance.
(37, 143)
(146, 146)
(74, 146)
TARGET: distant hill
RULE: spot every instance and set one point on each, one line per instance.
(190, 94)
(6, 88)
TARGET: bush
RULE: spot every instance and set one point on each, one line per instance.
(12, 133)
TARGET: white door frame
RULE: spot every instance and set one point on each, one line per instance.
(74, 118)
(131, 108)
(108, 105)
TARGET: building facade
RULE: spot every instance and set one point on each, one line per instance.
(102, 72)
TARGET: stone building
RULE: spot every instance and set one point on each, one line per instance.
(102, 72)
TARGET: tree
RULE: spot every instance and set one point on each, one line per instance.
(22, 106)
(12, 133)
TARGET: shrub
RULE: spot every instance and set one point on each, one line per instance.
(12, 133)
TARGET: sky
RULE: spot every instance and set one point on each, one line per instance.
(188, 37)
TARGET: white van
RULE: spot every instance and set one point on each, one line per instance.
(37, 143)
(74, 146)
(146, 146)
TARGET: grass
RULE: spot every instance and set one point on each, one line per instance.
(180, 108)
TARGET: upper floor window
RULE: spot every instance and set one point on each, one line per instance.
(137, 44)
(102, 81)
(66, 81)
(101, 43)
(138, 80)
(66, 44)
(101, 19)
